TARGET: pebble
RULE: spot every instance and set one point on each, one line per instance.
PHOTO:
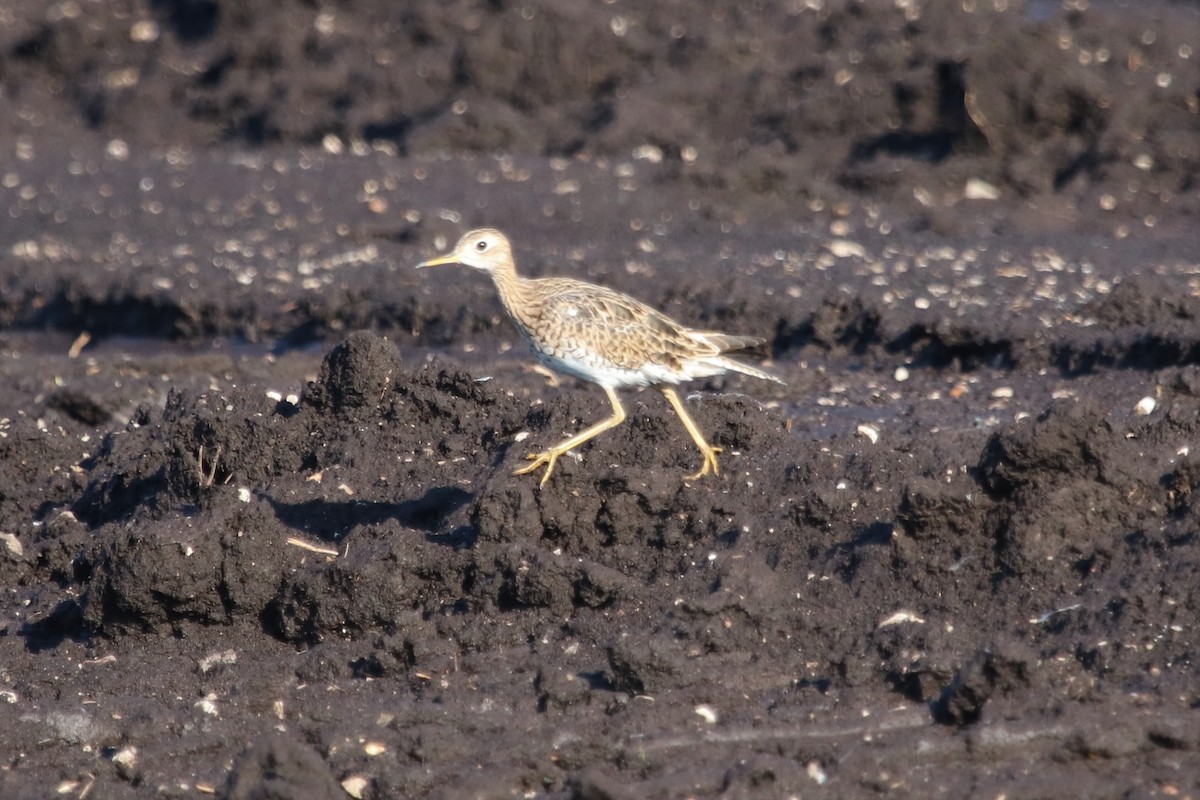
(1145, 406)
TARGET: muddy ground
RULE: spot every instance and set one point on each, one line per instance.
(259, 535)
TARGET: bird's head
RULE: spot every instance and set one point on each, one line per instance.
(486, 249)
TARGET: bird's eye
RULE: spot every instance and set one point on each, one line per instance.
(481, 246)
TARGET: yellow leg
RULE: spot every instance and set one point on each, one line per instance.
(709, 451)
(550, 456)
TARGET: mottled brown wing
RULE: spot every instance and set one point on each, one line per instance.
(626, 331)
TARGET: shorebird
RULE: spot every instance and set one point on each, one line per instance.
(601, 336)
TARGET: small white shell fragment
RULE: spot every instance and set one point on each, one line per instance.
(216, 659)
(1002, 392)
(12, 543)
(243, 494)
(374, 748)
(901, 374)
(332, 144)
(1145, 406)
(145, 30)
(355, 786)
(901, 616)
(815, 772)
(117, 150)
(648, 152)
(869, 431)
(979, 189)
(208, 705)
(126, 757)
(520, 436)
(844, 248)
(707, 713)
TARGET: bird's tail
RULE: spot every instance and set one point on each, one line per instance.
(733, 365)
(723, 343)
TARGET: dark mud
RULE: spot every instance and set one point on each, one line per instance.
(260, 532)
(970, 117)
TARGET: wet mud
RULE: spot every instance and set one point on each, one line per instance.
(260, 531)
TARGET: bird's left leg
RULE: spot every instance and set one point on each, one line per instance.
(708, 450)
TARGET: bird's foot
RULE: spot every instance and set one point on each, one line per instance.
(547, 457)
(710, 464)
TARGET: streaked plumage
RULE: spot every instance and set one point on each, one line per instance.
(601, 336)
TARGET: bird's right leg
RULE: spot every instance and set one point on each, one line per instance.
(550, 456)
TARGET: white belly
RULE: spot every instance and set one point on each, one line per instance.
(590, 368)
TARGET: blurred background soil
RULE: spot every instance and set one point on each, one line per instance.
(259, 535)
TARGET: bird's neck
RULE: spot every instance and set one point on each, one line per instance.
(514, 292)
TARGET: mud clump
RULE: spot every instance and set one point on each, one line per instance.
(278, 766)
(998, 671)
(211, 549)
